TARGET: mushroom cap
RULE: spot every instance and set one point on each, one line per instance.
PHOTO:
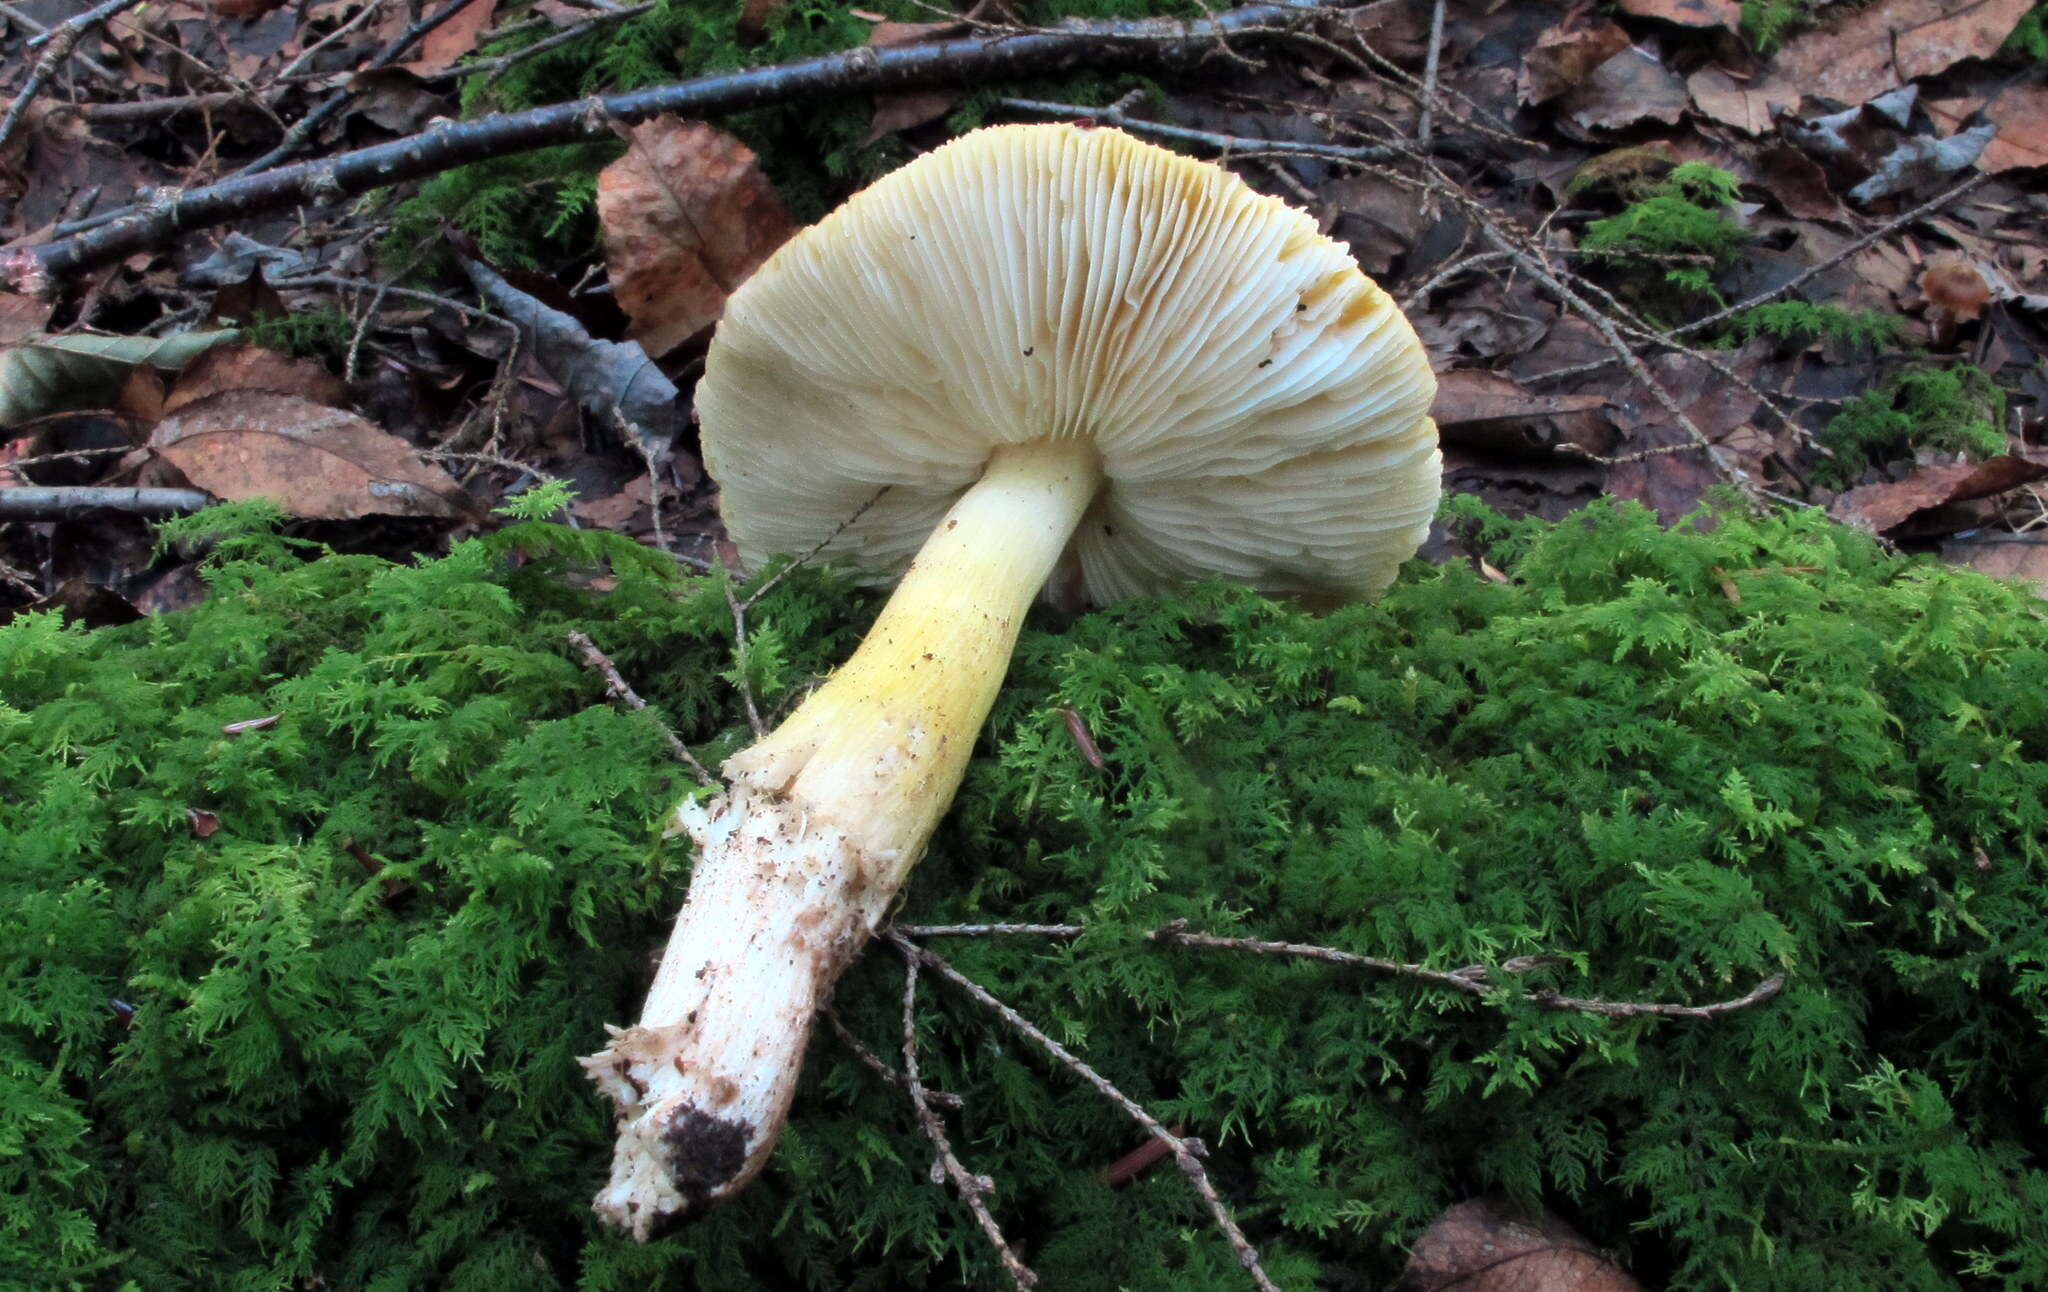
(1259, 405)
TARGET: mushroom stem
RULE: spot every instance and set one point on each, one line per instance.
(800, 858)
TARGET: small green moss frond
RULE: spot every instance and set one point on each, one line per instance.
(1684, 214)
(1957, 409)
(1805, 323)
(2029, 39)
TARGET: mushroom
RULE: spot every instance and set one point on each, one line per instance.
(1046, 351)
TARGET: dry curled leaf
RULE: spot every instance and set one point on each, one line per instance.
(49, 374)
(1487, 1245)
(1868, 51)
(1564, 56)
(314, 461)
(1883, 507)
(2004, 556)
(687, 216)
(250, 367)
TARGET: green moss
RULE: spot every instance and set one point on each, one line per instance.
(1684, 214)
(1956, 409)
(2029, 39)
(322, 333)
(344, 1050)
(1805, 323)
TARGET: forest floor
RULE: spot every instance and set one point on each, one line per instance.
(1647, 257)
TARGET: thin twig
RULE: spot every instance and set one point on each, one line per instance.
(873, 1062)
(617, 687)
(1239, 146)
(60, 39)
(325, 110)
(1186, 1151)
(991, 930)
(1794, 283)
(816, 548)
(1426, 122)
(1474, 980)
(493, 68)
(973, 1189)
(106, 75)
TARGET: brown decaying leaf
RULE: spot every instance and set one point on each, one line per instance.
(2021, 114)
(441, 48)
(1467, 395)
(2005, 556)
(314, 461)
(1869, 51)
(1720, 95)
(905, 109)
(1486, 1245)
(204, 824)
(1689, 13)
(1632, 86)
(239, 366)
(687, 216)
(1883, 507)
(1564, 56)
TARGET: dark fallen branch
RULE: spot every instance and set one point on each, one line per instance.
(38, 503)
(1163, 44)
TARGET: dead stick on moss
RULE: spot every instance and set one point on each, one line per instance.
(1096, 46)
(616, 686)
(1474, 980)
(1186, 1151)
(873, 1062)
(973, 1189)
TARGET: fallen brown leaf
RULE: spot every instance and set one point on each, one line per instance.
(2021, 114)
(1868, 51)
(904, 109)
(1564, 56)
(1732, 102)
(314, 461)
(204, 824)
(444, 46)
(2007, 556)
(1883, 507)
(1486, 1245)
(1632, 86)
(1689, 13)
(687, 216)
(239, 366)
